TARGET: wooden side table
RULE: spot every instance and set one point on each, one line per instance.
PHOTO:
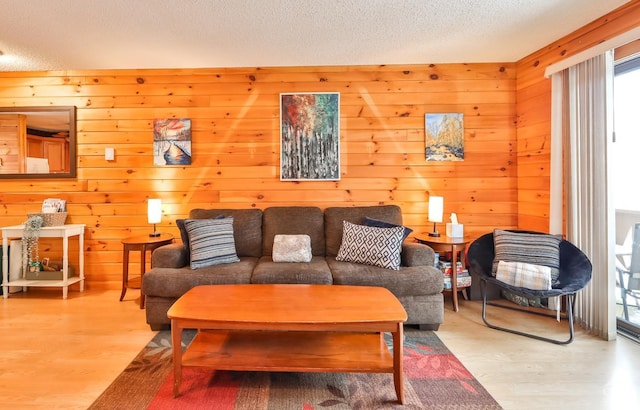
(453, 245)
(142, 243)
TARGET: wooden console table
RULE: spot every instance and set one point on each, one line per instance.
(62, 231)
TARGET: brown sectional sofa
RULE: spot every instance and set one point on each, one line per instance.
(417, 284)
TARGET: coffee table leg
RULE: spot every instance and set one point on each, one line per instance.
(176, 346)
(398, 371)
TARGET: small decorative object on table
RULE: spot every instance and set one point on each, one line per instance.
(49, 271)
(54, 219)
(455, 229)
(54, 212)
(30, 236)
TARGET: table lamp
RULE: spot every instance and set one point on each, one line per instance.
(154, 215)
(436, 209)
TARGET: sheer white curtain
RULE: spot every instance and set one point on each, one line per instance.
(580, 133)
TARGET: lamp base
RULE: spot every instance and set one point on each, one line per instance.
(154, 234)
(435, 232)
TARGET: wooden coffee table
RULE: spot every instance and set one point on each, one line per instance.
(304, 328)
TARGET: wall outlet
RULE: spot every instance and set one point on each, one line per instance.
(109, 154)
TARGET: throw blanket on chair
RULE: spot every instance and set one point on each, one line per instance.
(524, 275)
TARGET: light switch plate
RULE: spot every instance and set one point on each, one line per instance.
(109, 154)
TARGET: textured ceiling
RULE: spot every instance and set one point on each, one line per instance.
(116, 34)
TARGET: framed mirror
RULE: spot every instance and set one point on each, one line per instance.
(37, 142)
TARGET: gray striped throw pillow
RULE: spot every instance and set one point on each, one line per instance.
(532, 248)
(211, 242)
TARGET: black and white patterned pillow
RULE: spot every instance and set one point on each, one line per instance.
(211, 242)
(531, 248)
(371, 245)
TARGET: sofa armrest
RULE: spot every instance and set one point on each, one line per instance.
(173, 255)
(417, 254)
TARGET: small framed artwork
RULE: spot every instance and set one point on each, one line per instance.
(444, 137)
(309, 136)
(172, 141)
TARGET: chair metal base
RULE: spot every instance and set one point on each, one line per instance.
(570, 299)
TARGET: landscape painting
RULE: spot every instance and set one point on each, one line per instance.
(172, 141)
(309, 136)
(444, 137)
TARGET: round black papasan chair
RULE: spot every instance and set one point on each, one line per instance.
(574, 274)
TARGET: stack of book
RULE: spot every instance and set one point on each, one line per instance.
(463, 277)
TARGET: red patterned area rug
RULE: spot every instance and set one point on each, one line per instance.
(434, 379)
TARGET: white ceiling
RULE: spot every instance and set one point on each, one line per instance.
(120, 34)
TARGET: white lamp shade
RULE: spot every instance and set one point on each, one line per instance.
(154, 211)
(436, 208)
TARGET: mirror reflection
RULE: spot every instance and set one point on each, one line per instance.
(37, 142)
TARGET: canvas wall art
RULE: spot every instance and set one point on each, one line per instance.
(309, 136)
(444, 137)
(172, 141)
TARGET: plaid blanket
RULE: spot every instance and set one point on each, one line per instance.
(524, 275)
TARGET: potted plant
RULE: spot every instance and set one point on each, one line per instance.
(30, 236)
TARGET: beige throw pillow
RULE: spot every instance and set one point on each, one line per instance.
(291, 248)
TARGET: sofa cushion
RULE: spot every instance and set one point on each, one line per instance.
(532, 248)
(371, 246)
(382, 224)
(211, 242)
(314, 272)
(291, 248)
(173, 283)
(293, 220)
(334, 216)
(247, 227)
(408, 281)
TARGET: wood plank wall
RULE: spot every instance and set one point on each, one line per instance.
(534, 110)
(235, 137)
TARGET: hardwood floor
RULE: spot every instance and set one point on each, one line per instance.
(524, 373)
(61, 354)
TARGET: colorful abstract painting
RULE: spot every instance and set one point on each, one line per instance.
(309, 136)
(172, 141)
(444, 137)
